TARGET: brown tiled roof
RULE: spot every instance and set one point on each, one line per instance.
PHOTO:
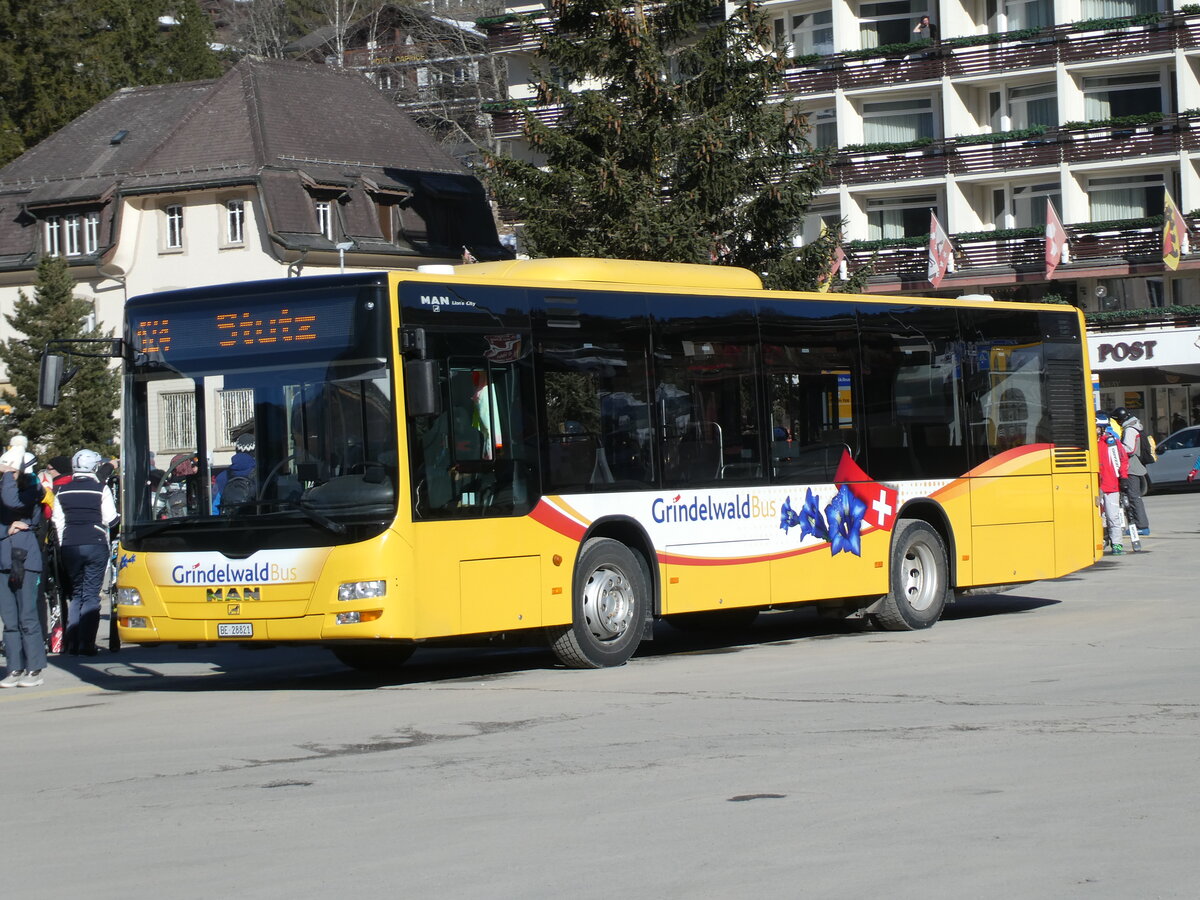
(263, 122)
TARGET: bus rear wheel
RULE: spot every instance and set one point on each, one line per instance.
(379, 659)
(919, 578)
(609, 605)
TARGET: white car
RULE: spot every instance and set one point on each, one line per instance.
(1176, 456)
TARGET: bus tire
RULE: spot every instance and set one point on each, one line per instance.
(919, 578)
(609, 606)
(379, 659)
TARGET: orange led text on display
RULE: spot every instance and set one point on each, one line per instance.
(153, 335)
(248, 329)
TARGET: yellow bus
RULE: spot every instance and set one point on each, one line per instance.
(568, 450)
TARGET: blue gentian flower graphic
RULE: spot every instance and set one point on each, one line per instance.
(845, 513)
(811, 520)
(788, 518)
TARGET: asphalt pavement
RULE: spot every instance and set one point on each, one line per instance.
(1037, 743)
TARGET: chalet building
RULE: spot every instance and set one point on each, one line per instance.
(277, 168)
(1093, 105)
(432, 62)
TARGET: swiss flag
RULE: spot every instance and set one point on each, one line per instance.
(1056, 240)
(882, 501)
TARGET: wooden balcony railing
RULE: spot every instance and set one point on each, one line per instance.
(1133, 245)
(1058, 145)
(1061, 43)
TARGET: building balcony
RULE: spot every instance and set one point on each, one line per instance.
(393, 55)
(955, 57)
(995, 53)
(1124, 245)
(1031, 148)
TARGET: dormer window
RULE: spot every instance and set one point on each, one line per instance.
(324, 210)
(77, 234)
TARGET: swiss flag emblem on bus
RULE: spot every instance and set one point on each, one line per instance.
(881, 500)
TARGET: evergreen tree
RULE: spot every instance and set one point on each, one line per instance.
(59, 58)
(85, 416)
(678, 153)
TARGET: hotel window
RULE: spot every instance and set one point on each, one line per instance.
(1125, 197)
(1111, 96)
(235, 222)
(1024, 206)
(890, 22)
(1032, 105)
(178, 420)
(898, 121)
(1107, 9)
(804, 33)
(324, 210)
(1020, 14)
(823, 123)
(173, 233)
(899, 217)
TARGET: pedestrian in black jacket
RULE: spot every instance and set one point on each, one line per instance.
(20, 567)
(83, 513)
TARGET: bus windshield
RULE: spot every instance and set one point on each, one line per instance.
(237, 447)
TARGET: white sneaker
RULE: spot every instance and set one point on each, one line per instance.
(31, 679)
(13, 678)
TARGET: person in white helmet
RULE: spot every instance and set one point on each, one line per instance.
(84, 511)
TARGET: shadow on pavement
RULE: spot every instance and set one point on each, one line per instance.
(257, 667)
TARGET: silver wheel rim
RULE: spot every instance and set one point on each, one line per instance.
(608, 603)
(919, 579)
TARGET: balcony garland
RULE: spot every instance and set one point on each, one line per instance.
(1149, 314)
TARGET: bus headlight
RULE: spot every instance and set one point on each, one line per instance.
(128, 597)
(361, 590)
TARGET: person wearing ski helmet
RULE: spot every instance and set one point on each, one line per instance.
(84, 511)
(1132, 435)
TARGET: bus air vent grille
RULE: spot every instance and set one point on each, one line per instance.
(1070, 458)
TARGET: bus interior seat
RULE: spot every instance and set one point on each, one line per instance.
(577, 460)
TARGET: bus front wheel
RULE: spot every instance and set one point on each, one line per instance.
(919, 578)
(608, 607)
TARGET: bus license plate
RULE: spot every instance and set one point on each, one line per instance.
(235, 629)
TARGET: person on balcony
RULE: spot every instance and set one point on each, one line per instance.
(926, 30)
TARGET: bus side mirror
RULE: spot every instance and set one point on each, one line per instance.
(421, 387)
(51, 379)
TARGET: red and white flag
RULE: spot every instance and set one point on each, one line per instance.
(1056, 241)
(881, 500)
(941, 252)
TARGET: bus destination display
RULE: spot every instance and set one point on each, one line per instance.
(195, 333)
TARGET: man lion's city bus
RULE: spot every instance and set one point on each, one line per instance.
(568, 450)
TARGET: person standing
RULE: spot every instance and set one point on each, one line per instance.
(20, 566)
(84, 511)
(1131, 438)
(1114, 472)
